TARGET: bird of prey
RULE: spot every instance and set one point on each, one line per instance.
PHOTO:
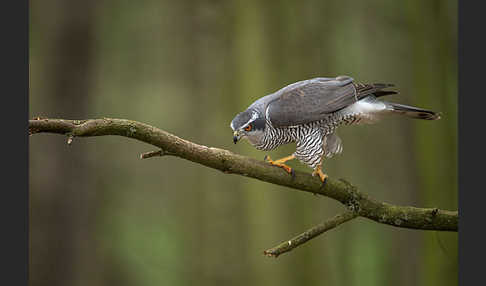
(309, 111)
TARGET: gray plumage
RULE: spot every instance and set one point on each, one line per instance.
(308, 113)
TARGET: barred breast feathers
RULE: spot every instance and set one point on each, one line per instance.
(310, 139)
(274, 137)
(309, 148)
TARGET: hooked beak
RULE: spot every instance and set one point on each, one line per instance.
(236, 137)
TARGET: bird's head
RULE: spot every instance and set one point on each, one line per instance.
(249, 124)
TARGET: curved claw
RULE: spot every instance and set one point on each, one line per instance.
(322, 176)
(324, 183)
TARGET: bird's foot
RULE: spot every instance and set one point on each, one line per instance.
(280, 163)
(322, 176)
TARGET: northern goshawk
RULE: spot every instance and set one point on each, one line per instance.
(308, 113)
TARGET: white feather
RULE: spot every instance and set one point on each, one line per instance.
(367, 109)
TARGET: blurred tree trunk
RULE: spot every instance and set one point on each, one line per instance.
(63, 207)
(219, 245)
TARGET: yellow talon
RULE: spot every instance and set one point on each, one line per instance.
(318, 171)
(280, 163)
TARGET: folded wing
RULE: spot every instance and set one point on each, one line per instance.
(310, 100)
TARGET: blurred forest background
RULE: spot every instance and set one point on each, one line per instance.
(101, 216)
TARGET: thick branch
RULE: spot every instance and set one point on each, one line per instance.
(228, 162)
(310, 234)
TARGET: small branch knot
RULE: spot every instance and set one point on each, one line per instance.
(131, 131)
(153, 154)
(435, 211)
(353, 205)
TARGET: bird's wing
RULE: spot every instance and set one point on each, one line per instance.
(310, 100)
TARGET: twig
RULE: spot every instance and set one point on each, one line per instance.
(310, 234)
(151, 154)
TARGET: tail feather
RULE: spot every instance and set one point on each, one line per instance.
(375, 89)
(412, 112)
(384, 93)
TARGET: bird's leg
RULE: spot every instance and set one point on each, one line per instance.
(318, 171)
(280, 163)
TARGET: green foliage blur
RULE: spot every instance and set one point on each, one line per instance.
(101, 216)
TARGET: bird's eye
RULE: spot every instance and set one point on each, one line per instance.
(248, 128)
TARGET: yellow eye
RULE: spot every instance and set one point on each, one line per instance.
(248, 128)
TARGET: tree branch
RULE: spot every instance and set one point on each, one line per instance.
(310, 234)
(357, 202)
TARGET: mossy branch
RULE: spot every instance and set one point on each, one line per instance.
(357, 202)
